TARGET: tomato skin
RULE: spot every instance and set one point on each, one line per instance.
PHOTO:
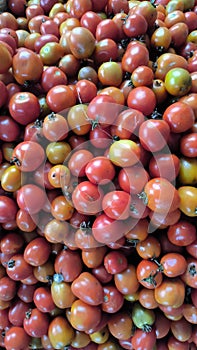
(115, 262)
(171, 292)
(87, 198)
(106, 230)
(113, 299)
(143, 341)
(69, 264)
(136, 99)
(148, 274)
(164, 165)
(31, 198)
(16, 338)
(32, 249)
(100, 170)
(36, 323)
(173, 264)
(162, 196)
(8, 209)
(87, 288)
(60, 332)
(188, 171)
(183, 233)
(188, 200)
(124, 153)
(84, 317)
(28, 156)
(188, 145)
(116, 205)
(190, 275)
(136, 55)
(154, 134)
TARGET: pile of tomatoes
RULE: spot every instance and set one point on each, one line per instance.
(98, 174)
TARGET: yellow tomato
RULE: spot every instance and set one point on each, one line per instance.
(188, 200)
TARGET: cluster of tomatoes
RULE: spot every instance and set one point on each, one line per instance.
(98, 174)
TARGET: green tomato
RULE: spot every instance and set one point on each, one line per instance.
(142, 318)
(178, 81)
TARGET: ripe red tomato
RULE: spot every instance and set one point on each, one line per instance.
(8, 209)
(154, 134)
(100, 170)
(143, 340)
(87, 198)
(28, 156)
(84, 317)
(87, 288)
(106, 230)
(137, 97)
(31, 198)
(16, 338)
(115, 262)
(36, 323)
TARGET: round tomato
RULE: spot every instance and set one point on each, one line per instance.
(143, 99)
(87, 288)
(188, 200)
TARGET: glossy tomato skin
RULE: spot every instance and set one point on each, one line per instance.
(113, 299)
(100, 170)
(69, 264)
(173, 264)
(137, 97)
(28, 156)
(83, 316)
(188, 200)
(24, 107)
(143, 340)
(87, 198)
(60, 332)
(171, 292)
(106, 230)
(31, 198)
(116, 205)
(115, 262)
(16, 338)
(87, 288)
(17, 268)
(37, 251)
(8, 209)
(36, 323)
(154, 134)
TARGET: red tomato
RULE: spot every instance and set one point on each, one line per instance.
(28, 156)
(143, 340)
(36, 323)
(84, 317)
(116, 205)
(100, 170)
(115, 262)
(16, 338)
(87, 288)
(8, 209)
(87, 198)
(106, 230)
(154, 134)
(31, 198)
(143, 99)
(24, 107)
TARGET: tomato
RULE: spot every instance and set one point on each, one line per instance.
(93, 257)
(178, 81)
(104, 50)
(28, 156)
(81, 42)
(60, 97)
(143, 340)
(138, 96)
(190, 275)
(106, 230)
(16, 338)
(60, 332)
(27, 66)
(68, 264)
(36, 323)
(116, 205)
(11, 179)
(175, 344)
(62, 294)
(173, 115)
(7, 288)
(142, 318)
(87, 288)
(188, 145)
(148, 274)
(136, 55)
(110, 73)
(133, 179)
(56, 153)
(154, 134)
(83, 316)
(182, 233)
(17, 268)
(24, 107)
(173, 264)
(149, 248)
(166, 62)
(31, 198)
(188, 200)
(134, 25)
(120, 325)
(6, 61)
(78, 120)
(181, 329)
(8, 209)
(164, 165)
(162, 196)
(86, 90)
(32, 249)
(9, 129)
(115, 262)
(124, 153)
(171, 292)
(190, 314)
(113, 299)
(103, 110)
